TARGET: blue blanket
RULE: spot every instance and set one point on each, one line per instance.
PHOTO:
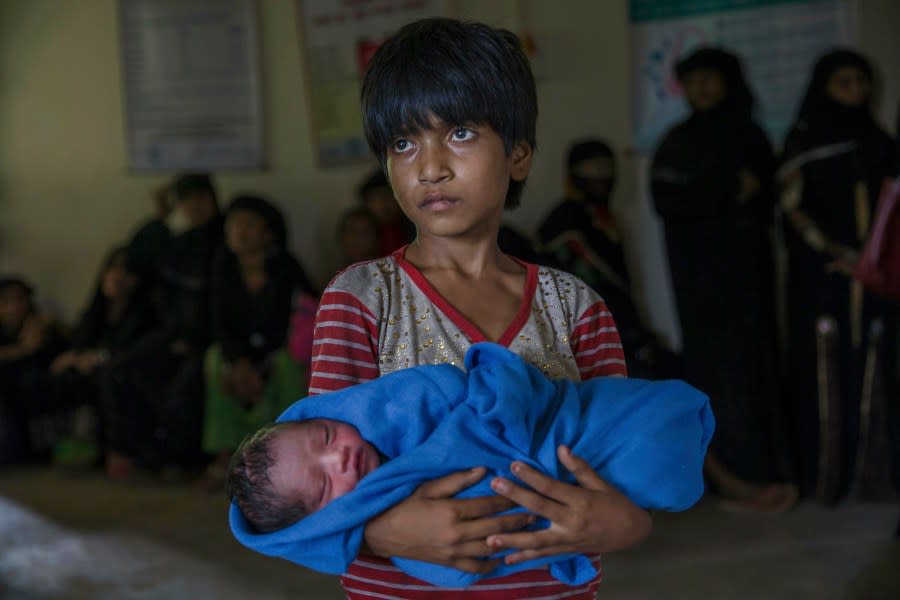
(648, 439)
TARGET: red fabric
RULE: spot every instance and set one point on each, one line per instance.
(371, 577)
(879, 266)
(344, 343)
(391, 236)
(596, 344)
(300, 336)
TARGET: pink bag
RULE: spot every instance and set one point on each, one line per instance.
(303, 321)
(879, 266)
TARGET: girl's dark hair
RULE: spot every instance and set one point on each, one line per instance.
(375, 180)
(14, 281)
(9, 281)
(588, 148)
(193, 183)
(247, 483)
(459, 72)
(93, 320)
(269, 213)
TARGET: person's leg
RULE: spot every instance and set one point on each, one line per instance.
(743, 496)
(224, 419)
(180, 432)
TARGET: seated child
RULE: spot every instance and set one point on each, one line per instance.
(304, 488)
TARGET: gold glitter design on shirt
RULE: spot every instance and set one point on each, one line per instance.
(413, 331)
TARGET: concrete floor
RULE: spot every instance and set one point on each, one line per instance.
(81, 537)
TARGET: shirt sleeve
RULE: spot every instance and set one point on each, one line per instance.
(345, 343)
(596, 344)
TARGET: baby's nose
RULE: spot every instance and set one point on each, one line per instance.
(341, 458)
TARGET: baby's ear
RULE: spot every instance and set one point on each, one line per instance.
(520, 161)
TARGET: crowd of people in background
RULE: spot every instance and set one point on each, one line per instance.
(195, 337)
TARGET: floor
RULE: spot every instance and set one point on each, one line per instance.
(81, 537)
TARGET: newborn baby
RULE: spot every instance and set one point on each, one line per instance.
(304, 489)
(286, 471)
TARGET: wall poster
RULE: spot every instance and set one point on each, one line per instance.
(338, 38)
(191, 76)
(777, 40)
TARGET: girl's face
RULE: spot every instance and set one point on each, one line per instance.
(13, 307)
(451, 180)
(117, 281)
(704, 89)
(246, 232)
(849, 86)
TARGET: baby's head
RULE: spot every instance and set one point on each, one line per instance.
(286, 471)
(460, 73)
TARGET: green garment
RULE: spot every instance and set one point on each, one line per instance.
(227, 421)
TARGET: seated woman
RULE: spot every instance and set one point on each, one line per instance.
(111, 329)
(28, 343)
(153, 402)
(250, 378)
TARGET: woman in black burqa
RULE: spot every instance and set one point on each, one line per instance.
(835, 160)
(711, 181)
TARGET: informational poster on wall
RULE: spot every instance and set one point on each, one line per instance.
(339, 37)
(192, 84)
(778, 42)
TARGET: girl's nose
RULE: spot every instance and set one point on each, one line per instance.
(432, 163)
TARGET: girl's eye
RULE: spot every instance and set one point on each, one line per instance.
(327, 434)
(400, 145)
(461, 134)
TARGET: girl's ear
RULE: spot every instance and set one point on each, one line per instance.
(520, 161)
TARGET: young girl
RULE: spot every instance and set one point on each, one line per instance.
(450, 110)
(112, 327)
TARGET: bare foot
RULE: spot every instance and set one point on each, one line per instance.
(771, 499)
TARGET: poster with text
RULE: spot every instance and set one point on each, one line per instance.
(339, 38)
(778, 42)
(191, 81)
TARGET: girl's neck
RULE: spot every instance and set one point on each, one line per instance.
(115, 308)
(473, 259)
(253, 270)
(252, 262)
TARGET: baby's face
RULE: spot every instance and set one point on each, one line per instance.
(320, 460)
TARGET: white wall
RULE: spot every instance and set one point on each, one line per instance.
(66, 196)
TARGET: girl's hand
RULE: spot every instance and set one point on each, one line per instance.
(591, 517)
(432, 526)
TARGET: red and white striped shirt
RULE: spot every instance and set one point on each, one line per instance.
(383, 315)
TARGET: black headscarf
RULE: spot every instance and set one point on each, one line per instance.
(94, 325)
(820, 110)
(738, 97)
(11, 281)
(584, 150)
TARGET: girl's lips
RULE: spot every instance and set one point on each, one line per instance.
(437, 202)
